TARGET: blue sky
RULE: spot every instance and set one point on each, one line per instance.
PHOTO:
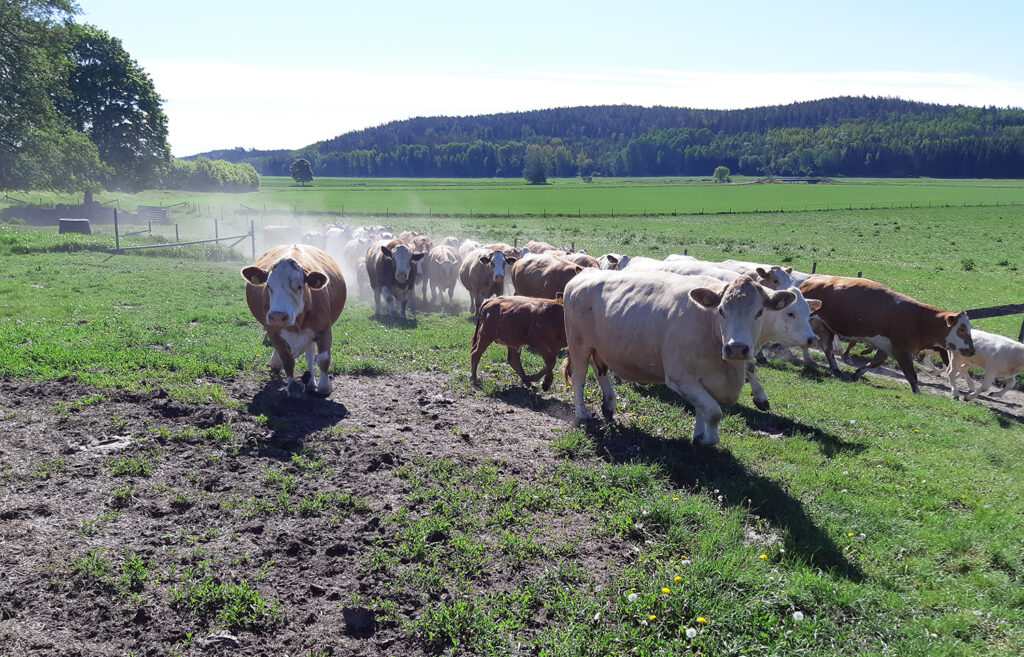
(262, 74)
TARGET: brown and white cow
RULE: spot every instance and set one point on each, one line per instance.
(537, 246)
(895, 324)
(695, 334)
(443, 271)
(614, 261)
(542, 276)
(518, 322)
(482, 273)
(1001, 358)
(297, 293)
(391, 268)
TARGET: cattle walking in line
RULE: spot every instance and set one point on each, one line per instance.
(694, 334)
(391, 270)
(482, 273)
(443, 272)
(894, 323)
(1001, 358)
(542, 276)
(518, 322)
(297, 293)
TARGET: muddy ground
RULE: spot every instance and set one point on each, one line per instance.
(60, 499)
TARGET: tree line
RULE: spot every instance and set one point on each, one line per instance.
(846, 136)
(78, 113)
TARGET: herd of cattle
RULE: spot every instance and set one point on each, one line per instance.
(693, 325)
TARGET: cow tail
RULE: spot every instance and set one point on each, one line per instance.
(567, 370)
(473, 341)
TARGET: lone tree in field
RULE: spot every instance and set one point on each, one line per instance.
(535, 165)
(722, 174)
(301, 172)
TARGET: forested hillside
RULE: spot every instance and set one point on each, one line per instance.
(849, 136)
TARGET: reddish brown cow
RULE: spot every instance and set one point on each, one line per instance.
(536, 246)
(518, 322)
(893, 323)
(542, 276)
(297, 293)
(581, 259)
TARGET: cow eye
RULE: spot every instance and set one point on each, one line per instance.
(793, 315)
(759, 313)
(721, 312)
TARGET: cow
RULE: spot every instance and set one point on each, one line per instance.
(695, 334)
(582, 259)
(362, 279)
(1001, 357)
(518, 322)
(297, 293)
(355, 249)
(536, 246)
(443, 271)
(613, 261)
(542, 276)
(315, 238)
(452, 241)
(482, 273)
(391, 269)
(421, 243)
(745, 267)
(894, 323)
(466, 247)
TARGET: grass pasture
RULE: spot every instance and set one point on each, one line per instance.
(854, 518)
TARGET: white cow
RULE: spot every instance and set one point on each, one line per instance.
(745, 267)
(1000, 356)
(466, 247)
(694, 334)
(615, 261)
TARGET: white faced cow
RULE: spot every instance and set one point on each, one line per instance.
(391, 269)
(482, 273)
(1000, 356)
(695, 334)
(297, 293)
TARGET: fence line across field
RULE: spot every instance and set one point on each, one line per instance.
(251, 235)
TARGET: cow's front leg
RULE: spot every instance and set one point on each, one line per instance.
(284, 352)
(607, 391)
(708, 412)
(578, 364)
(323, 360)
(757, 392)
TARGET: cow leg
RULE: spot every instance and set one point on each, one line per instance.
(482, 338)
(1004, 386)
(515, 359)
(825, 340)
(550, 357)
(376, 301)
(953, 372)
(879, 358)
(986, 383)
(807, 357)
(294, 388)
(578, 364)
(708, 412)
(757, 392)
(310, 354)
(906, 363)
(607, 391)
(275, 361)
(323, 359)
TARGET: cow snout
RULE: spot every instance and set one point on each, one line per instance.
(500, 278)
(736, 351)
(400, 277)
(277, 318)
(969, 351)
(811, 340)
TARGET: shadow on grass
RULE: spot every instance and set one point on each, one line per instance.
(693, 468)
(392, 321)
(292, 420)
(532, 398)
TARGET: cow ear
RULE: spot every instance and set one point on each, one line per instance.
(705, 297)
(416, 257)
(255, 275)
(385, 250)
(761, 272)
(814, 304)
(578, 269)
(952, 319)
(486, 259)
(788, 270)
(559, 298)
(316, 280)
(779, 300)
(612, 259)
(510, 261)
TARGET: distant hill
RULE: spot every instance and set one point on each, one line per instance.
(847, 136)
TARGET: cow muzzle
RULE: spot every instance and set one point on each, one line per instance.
(735, 350)
(401, 278)
(278, 318)
(968, 351)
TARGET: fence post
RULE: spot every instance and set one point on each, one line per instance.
(150, 223)
(117, 236)
(860, 274)
(176, 238)
(814, 266)
(216, 229)
(252, 235)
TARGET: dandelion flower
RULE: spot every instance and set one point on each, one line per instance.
(849, 533)
(690, 633)
(763, 556)
(677, 578)
(666, 590)
(701, 619)
(675, 499)
(798, 615)
(651, 617)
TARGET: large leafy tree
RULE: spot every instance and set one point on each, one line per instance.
(301, 171)
(37, 147)
(112, 99)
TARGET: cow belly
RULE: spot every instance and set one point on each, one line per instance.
(298, 341)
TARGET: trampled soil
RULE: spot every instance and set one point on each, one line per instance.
(58, 502)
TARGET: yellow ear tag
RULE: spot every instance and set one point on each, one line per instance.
(559, 301)
(254, 280)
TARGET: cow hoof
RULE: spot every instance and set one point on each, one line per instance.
(546, 385)
(608, 412)
(475, 382)
(762, 404)
(296, 390)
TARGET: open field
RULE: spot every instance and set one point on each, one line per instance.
(570, 196)
(159, 496)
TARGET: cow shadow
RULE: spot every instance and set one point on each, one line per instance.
(392, 321)
(291, 420)
(530, 397)
(697, 468)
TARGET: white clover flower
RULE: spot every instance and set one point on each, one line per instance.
(632, 597)
(798, 615)
(690, 633)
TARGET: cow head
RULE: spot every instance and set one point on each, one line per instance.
(286, 286)
(497, 261)
(792, 325)
(741, 305)
(958, 338)
(403, 258)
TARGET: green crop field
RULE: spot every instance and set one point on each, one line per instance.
(854, 518)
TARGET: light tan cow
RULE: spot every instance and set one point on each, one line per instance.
(581, 259)
(297, 293)
(443, 271)
(482, 273)
(542, 276)
(695, 334)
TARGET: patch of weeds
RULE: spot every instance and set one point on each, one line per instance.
(572, 444)
(337, 501)
(520, 549)
(122, 496)
(47, 467)
(117, 422)
(91, 567)
(234, 605)
(135, 572)
(968, 264)
(9, 415)
(307, 463)
(278, 479)
(92, 526)
(64, 407)
(138, 465)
